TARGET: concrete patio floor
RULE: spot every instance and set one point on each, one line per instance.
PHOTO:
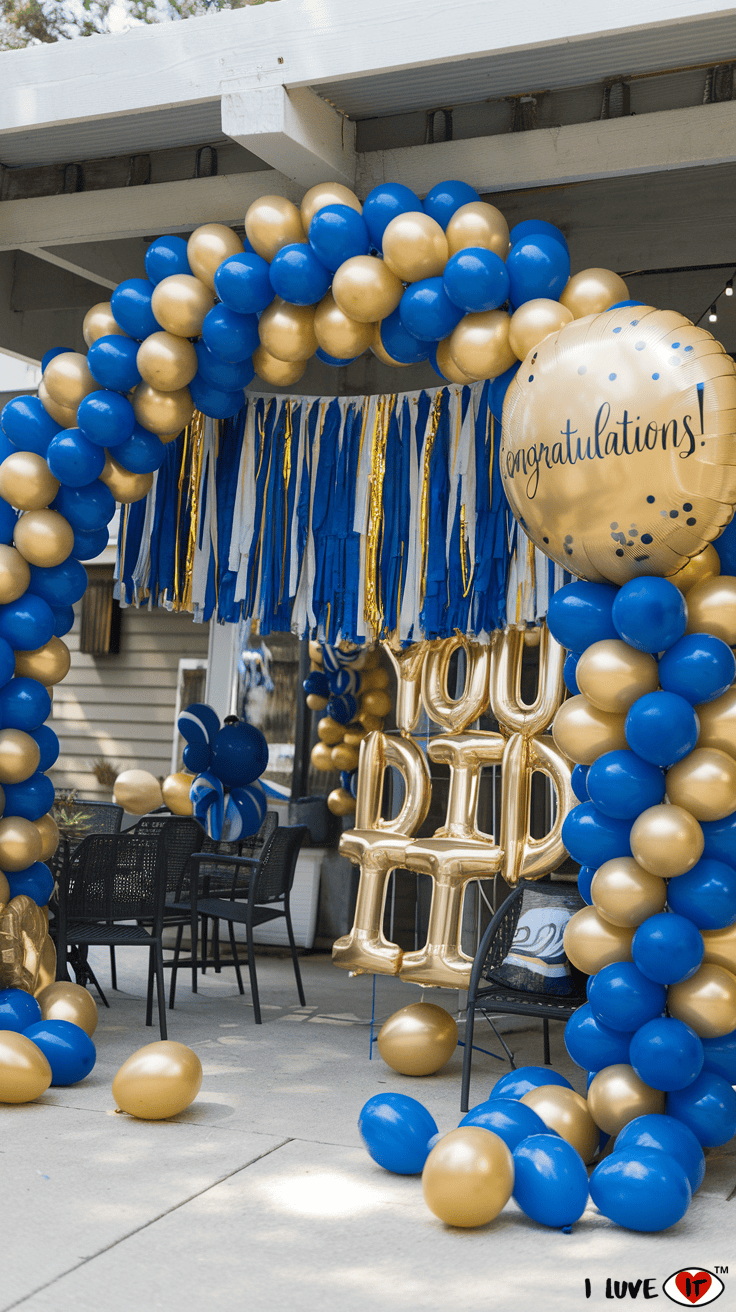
(261, 1195)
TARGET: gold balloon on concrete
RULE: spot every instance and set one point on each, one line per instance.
(100, 322)
(480, 344)
(415, 247)
(179, 303)
(287, 331)
(478, 224)
(418, 1040)
(706, 565)
(24, 1071)
(366, 290)
(167, 362)
(341, 802)
(125, 486)
(20, 841)
(175, 792)
(26, 481)
(626, 894)
(207, 247)
(327, 193)
(613, 675)
(616, 1095)
(65, 1001)
(447, 366)
(583, 732)
(279, 373)
(49, 664)
(61, 414)
(706, 1001)
(718, 723)
(14, 574)
(591, 942)
(158, 1081)
(711, 608)
(666, 840)
(44, 537)
(592, 291)
(137, 791)
(704, 783)
(19, 757)
(272, 222)
(338, 334)
(534, 321)
(468, 1177)
(568, 1113)
(162, 412)
(67, 379)
(49, 831)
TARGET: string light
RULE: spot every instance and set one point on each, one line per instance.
(729, 287)
(712, 314)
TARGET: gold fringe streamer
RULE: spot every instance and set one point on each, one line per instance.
(372, 601)
(424, 505)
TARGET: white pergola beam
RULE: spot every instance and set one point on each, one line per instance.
(105, 263)
(293, 131)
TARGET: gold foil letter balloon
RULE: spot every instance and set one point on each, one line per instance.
(616, 441)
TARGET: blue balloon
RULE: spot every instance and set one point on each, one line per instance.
(570, 677)
(399, 344)
(86, 508)
(537, 266)
(427, 312)
(624, 305)
(720, 1056)
(63, 620)
(476, 280)
(667, 948)
(593, 1045)
(622, 998)
(707, 1107)
(660, 1133)
(706, 895)
(25, 422)
(336, 234)
(585, 879)
(720, 839)
(230, 335)
(317, 682)
(73, 459)
(342, 707)
(383, 203)
(699, 668)
(165, 257)
(621, 785)
(498, 389)
(445, 198)
(24, 704)
(551, 1182)
(51, 354)
(725, 545)
(59, 585)
(592, 838)
(243, 283)
(106, 418)
(666, 1054)
(36, 881)
(89, 545)
(511, 1120)
(227, 375)
(650, 613)
(113, 363)
(69, 1051)
(250, 805)
(18, 1010)
(213, 402)
(641, 1189)
(131, 308)
(334, 360)
(580, 780)
(396, 1131)
(196, 757)
(142, 452)
(26, 624)
(661, 728)
(581, 613)
(298, 276)
(198, 723)
(516, 1083)
(48, 745)
(239, 754)
(535, 228)
(8, 521)
(7, 661)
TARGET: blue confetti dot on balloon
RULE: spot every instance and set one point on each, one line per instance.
(655, 377)
(583, 369)
(617, 330)
(612, 377)
(640, 346)
(675, 346)
(651, 500)
(646, 538)
(690, 522)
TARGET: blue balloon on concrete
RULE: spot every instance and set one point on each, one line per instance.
(106, 418)
(63, 620)
(593, 1045)
(86, 508)
(650, 613)
(580, 781)
(31, 798)
(230, 335)
(660, 1133)
(25, 422)
(35, 882)
(585, 879)
(73, 459)
(699, 668)
(529, 228)
(551, 1182)
(383, 204)
(18, 1010)
(570, 676)
(622, 998)
(59, 585)
(399, 344)
(227, 375)
(498, 389)
(720, 1056)
(243, 283)
(239, 754)
(24, 704)
(445, 198)
(142, 452)
(113, 363)
(521, 1081)
(165, 257)
(427, 312)
(661, 728)
(511, 1120)
(622, 785)
(706, 895)
(26, 624)
(593, 838)
(336, 234)
(476, 280)
(396, 1131)
(538, 266)
(581, 613)
(298, 276)
(667, 948)
(131, 308)
(641, 1189)
(707, 1107)
(69, 1051)
(214, 402)
(87, 546)
(666, 1054)
(48, 745)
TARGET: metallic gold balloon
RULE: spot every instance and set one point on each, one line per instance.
(706, 565)
(666, 840)
(329, 731)
(613, 675)
(592, 942)
(175, 791)
(341, 802)
(365, 289)
(26, 481)
(46, 965)
(20, 841)
(720, 947)
(534, 321)
(378, 753)
(478, 224)
(381, 353)
(711, 608)
(24, 1071)
(418, 1040)
(604, 456)
(337, 334)
(180, 303)
(316, 703)
(207, 247)
(321, 757)
(468, 1177)
(327, 193)
(168, 437)
(480, 344)
(568, 1113)
(592, 291)
(167, 362)
(279, 373)
(447, 366)
(513, 714)
(23, 934)
(67, 379)
(456, 714)
(704, 783)
(61, 414)
(706, 1001)
(49, 831)
(49, 664)
(344, 757)
(415, 247)
(43, 537)
(137, 791)
(616, 1095)
(19, 757)
(158, 1081)
(125, 486)
(354, 734)
(718, 723)
(64, 1001)
(272, 222)
(287, 331)
(583, 732)
(625, 894)
(14, 574)
(315, 654)
(4, 890)
(162, 412)
(99, 322)
(376, 702)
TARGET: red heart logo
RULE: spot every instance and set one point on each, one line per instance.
(694, 1286)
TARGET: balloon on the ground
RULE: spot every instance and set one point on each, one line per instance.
(18, 1010)
(511, 1119)
(67, 1047)
(666, 1134)
(70, 1002)
(396, 1131)
(707, 1107)
(566, 1112)
(24, 1070)
(516, 1083)
(419, 1039)
(551, 1182)
(468, 1177)
(641, 1189)
(158, 1081)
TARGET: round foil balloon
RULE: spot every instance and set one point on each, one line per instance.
(615, 434)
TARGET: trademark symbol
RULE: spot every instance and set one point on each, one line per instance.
(721, 1270)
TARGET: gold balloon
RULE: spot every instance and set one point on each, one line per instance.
(179, 303)
(23, 933)
(167, 362)
(568, 1113)
(534, 321)
(46, 965)
(61, 414)
(67, 379)
(329, 731)
(381, 353)
(468, 1177)
(19, 757)
(279, 373)
(315, 654)
(44, 537)
(375, 702)
(592, 942)
(604, 418)
(49, 664)
(287, 331)
(584, 733)
(26, 481)
(706, 1001)
(337, 334)
(20, 841)
(162, 412)
(704, 783)
(374, 680)
(24, 1071)
(125, 486)
(64, 1001)
(207, 247)
(616, 1095)
(4, 890)
(344, 757)
(706, 565)
(158, 1081)
(327, 193)
(100, 322)
(175, 791)
(137, 791)
(456, 714)
(321, 757)
(272, 222)
(711, 608)
(415, 247)
(666, 840)
(354, 734)
(478, 224)
(592, 291)
(613, 675)
(365, 289)
(720, 947)
(718, 723)
(625, 894)
(418, 1040)
(49, 831)
(14, 574)
(480, 344)
(168, 437)
(447, 366)
(341, 802)
(316, 703)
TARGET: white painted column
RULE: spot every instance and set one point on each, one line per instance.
(222, 665)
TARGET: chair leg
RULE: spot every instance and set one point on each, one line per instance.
(113, 970)
(547, 1058)
(160, 988)
(252, 972)
(175, 966)
(236, 959)
(294, 957)
(205, 936)
(467, 1055)
(193, 931)
(149, 995)
(216, 946)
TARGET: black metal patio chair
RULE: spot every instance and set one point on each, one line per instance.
(89, 817)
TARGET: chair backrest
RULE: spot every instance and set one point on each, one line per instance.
(181, 835)
(96, 817)
(220, 877)
(115, 877)
(275, 874)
